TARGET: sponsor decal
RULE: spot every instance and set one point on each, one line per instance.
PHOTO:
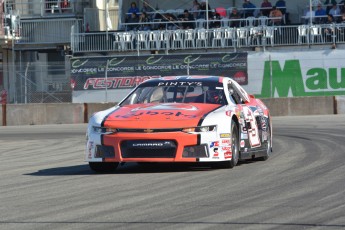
(227, 155)
(228, 113)
(225, 135)
(263, 123)
(150, 144)
(244, 136)
(226, 141)
(90, 147)
(227, 149)
(214, 144)
(154, 113)
(216, 153)
(242, 144)
(180, 83)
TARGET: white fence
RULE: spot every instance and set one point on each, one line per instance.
(200, 38)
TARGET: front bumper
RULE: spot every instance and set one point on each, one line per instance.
(148, 147)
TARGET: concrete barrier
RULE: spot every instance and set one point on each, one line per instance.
(296, 106)
(340, 101)
(91, 108)
(74, 113)
(38, 114)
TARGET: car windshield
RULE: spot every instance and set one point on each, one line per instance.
(176, 94)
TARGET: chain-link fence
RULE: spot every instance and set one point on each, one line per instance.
(38, 83)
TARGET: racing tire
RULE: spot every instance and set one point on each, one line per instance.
(235, 148)
(268, 147)
(103, 167)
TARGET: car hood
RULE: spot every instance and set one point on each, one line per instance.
(167, 115)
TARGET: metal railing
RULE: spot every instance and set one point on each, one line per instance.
(243, 37)
(47, 8)
(46, 31)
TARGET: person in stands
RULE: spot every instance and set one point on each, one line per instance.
(248, 9)
(335, 12)
(132, 9)
(144, 22)
(148, 10)
(329, 4)
(235, 18)
(276, 16)
(187, 20)
(204, 8)
(266, 7)
(342, 12)
(195, 8)
(133, 19)
(320, 15)
(281, 5)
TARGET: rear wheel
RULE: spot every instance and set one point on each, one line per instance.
(103, 167)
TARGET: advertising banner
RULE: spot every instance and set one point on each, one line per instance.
(112, 73)
(296, 74)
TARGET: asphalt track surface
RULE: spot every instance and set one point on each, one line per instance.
(45, 184)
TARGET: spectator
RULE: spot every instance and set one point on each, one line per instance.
(133, 19)
(248, 9)
(329, 31)
(275, 16)
(148, 10)
(203, 9)
(341, 5)
(195, 8)
(309, 14)
(215, 23)
(329, 4)
(342, 12)
(266, 7)
(236, 16)
(281, 5)
(171, 21)
(187, 19)
(320, 15)
(133, 9)
(144, 22)
(335, 12)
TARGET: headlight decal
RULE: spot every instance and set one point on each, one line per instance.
(200, 129)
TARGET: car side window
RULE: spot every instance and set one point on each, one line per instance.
(233, 95)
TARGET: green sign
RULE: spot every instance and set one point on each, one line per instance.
(288, 80)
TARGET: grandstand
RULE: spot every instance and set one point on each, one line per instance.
(94, 48)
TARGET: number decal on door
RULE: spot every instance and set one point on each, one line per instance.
(253, 131)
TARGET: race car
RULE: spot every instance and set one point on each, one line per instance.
(181, 119)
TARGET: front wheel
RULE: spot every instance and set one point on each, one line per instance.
(268, 146)
(103, 167)
(235, 150)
